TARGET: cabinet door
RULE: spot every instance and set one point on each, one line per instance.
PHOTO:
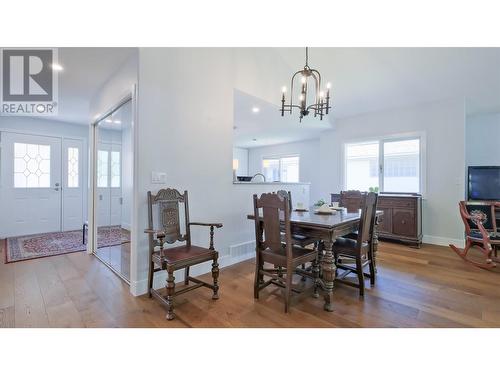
(404, 222)
(385, 223)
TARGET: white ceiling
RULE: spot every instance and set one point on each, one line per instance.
(372, 79)
(85, 71)
(363, 80)
(267, 127)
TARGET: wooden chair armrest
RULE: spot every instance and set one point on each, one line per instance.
(159, 233)
(211, 225)
(216, 225)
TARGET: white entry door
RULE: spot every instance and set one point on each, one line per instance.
(31, 184)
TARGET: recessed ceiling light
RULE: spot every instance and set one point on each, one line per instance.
(255, 109)
(57, 67)
(117, 122)
(108, 120)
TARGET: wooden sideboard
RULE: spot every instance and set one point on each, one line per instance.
(402, 219)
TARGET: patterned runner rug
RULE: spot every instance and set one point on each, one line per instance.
(49, 244)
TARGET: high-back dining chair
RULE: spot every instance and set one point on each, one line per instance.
(359, 249)
(272, 218)
(481, 232)
(351, 200)
(165, 211)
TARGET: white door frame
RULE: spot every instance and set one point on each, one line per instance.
(92, 201)
(63, 139)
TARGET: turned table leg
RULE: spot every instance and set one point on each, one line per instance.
(328, 268)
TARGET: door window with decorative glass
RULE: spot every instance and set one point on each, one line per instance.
(73, 167)
(31, 165)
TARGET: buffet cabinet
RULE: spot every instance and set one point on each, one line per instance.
(402, 218)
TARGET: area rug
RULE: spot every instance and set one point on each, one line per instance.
(49, 244)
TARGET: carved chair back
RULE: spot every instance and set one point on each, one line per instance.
(474, 212)
(335, 198)
(351, 200)
(367, 219)
(165, 211)
(286, 194)
(268, 235)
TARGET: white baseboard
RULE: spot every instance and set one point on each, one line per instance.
(443, 241)
(141, 287)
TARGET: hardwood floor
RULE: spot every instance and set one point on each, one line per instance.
(429, 287)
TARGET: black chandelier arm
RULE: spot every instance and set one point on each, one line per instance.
(318, 107)
(290, 106)
(291, 86)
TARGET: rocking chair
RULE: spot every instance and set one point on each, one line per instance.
(480, 231)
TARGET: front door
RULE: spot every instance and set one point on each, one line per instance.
(31, 184)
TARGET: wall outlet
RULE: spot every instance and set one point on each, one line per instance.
(158, 178)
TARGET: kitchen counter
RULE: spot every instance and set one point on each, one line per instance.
(269, 183)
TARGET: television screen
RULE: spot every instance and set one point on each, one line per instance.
(484, 183)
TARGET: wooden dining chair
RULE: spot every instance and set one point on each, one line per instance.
(298, 239)
(164, 227)
(270, 247)
(481, 232)
(351, 200)
(359, 249)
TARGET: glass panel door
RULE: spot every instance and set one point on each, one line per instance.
(114, 189)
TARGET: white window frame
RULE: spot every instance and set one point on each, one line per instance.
(381, 140)
(280, 156)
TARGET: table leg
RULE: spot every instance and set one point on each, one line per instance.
(328, 276)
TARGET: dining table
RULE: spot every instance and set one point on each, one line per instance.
(327, 228)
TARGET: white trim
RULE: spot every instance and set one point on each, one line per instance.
(443, 241)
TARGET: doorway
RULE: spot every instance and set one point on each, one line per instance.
(41, 189)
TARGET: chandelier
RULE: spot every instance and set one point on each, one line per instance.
(321, 104)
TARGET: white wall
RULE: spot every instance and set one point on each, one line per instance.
(241, 154)
(310, 167)
(193, 145)
(443, 124)
(482, 140)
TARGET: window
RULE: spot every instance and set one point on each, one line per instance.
(282, 169)
(31, 165)
(102, 168)
(73, 167)
(391, 165)
(402, 166)
(115, 169)
(362, 165)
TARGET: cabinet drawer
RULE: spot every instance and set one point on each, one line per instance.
(384, 202)
(385, 221)
(404, 222)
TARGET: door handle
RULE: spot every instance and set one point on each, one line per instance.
(57, 186)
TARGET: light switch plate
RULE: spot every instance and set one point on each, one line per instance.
(158, 177)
